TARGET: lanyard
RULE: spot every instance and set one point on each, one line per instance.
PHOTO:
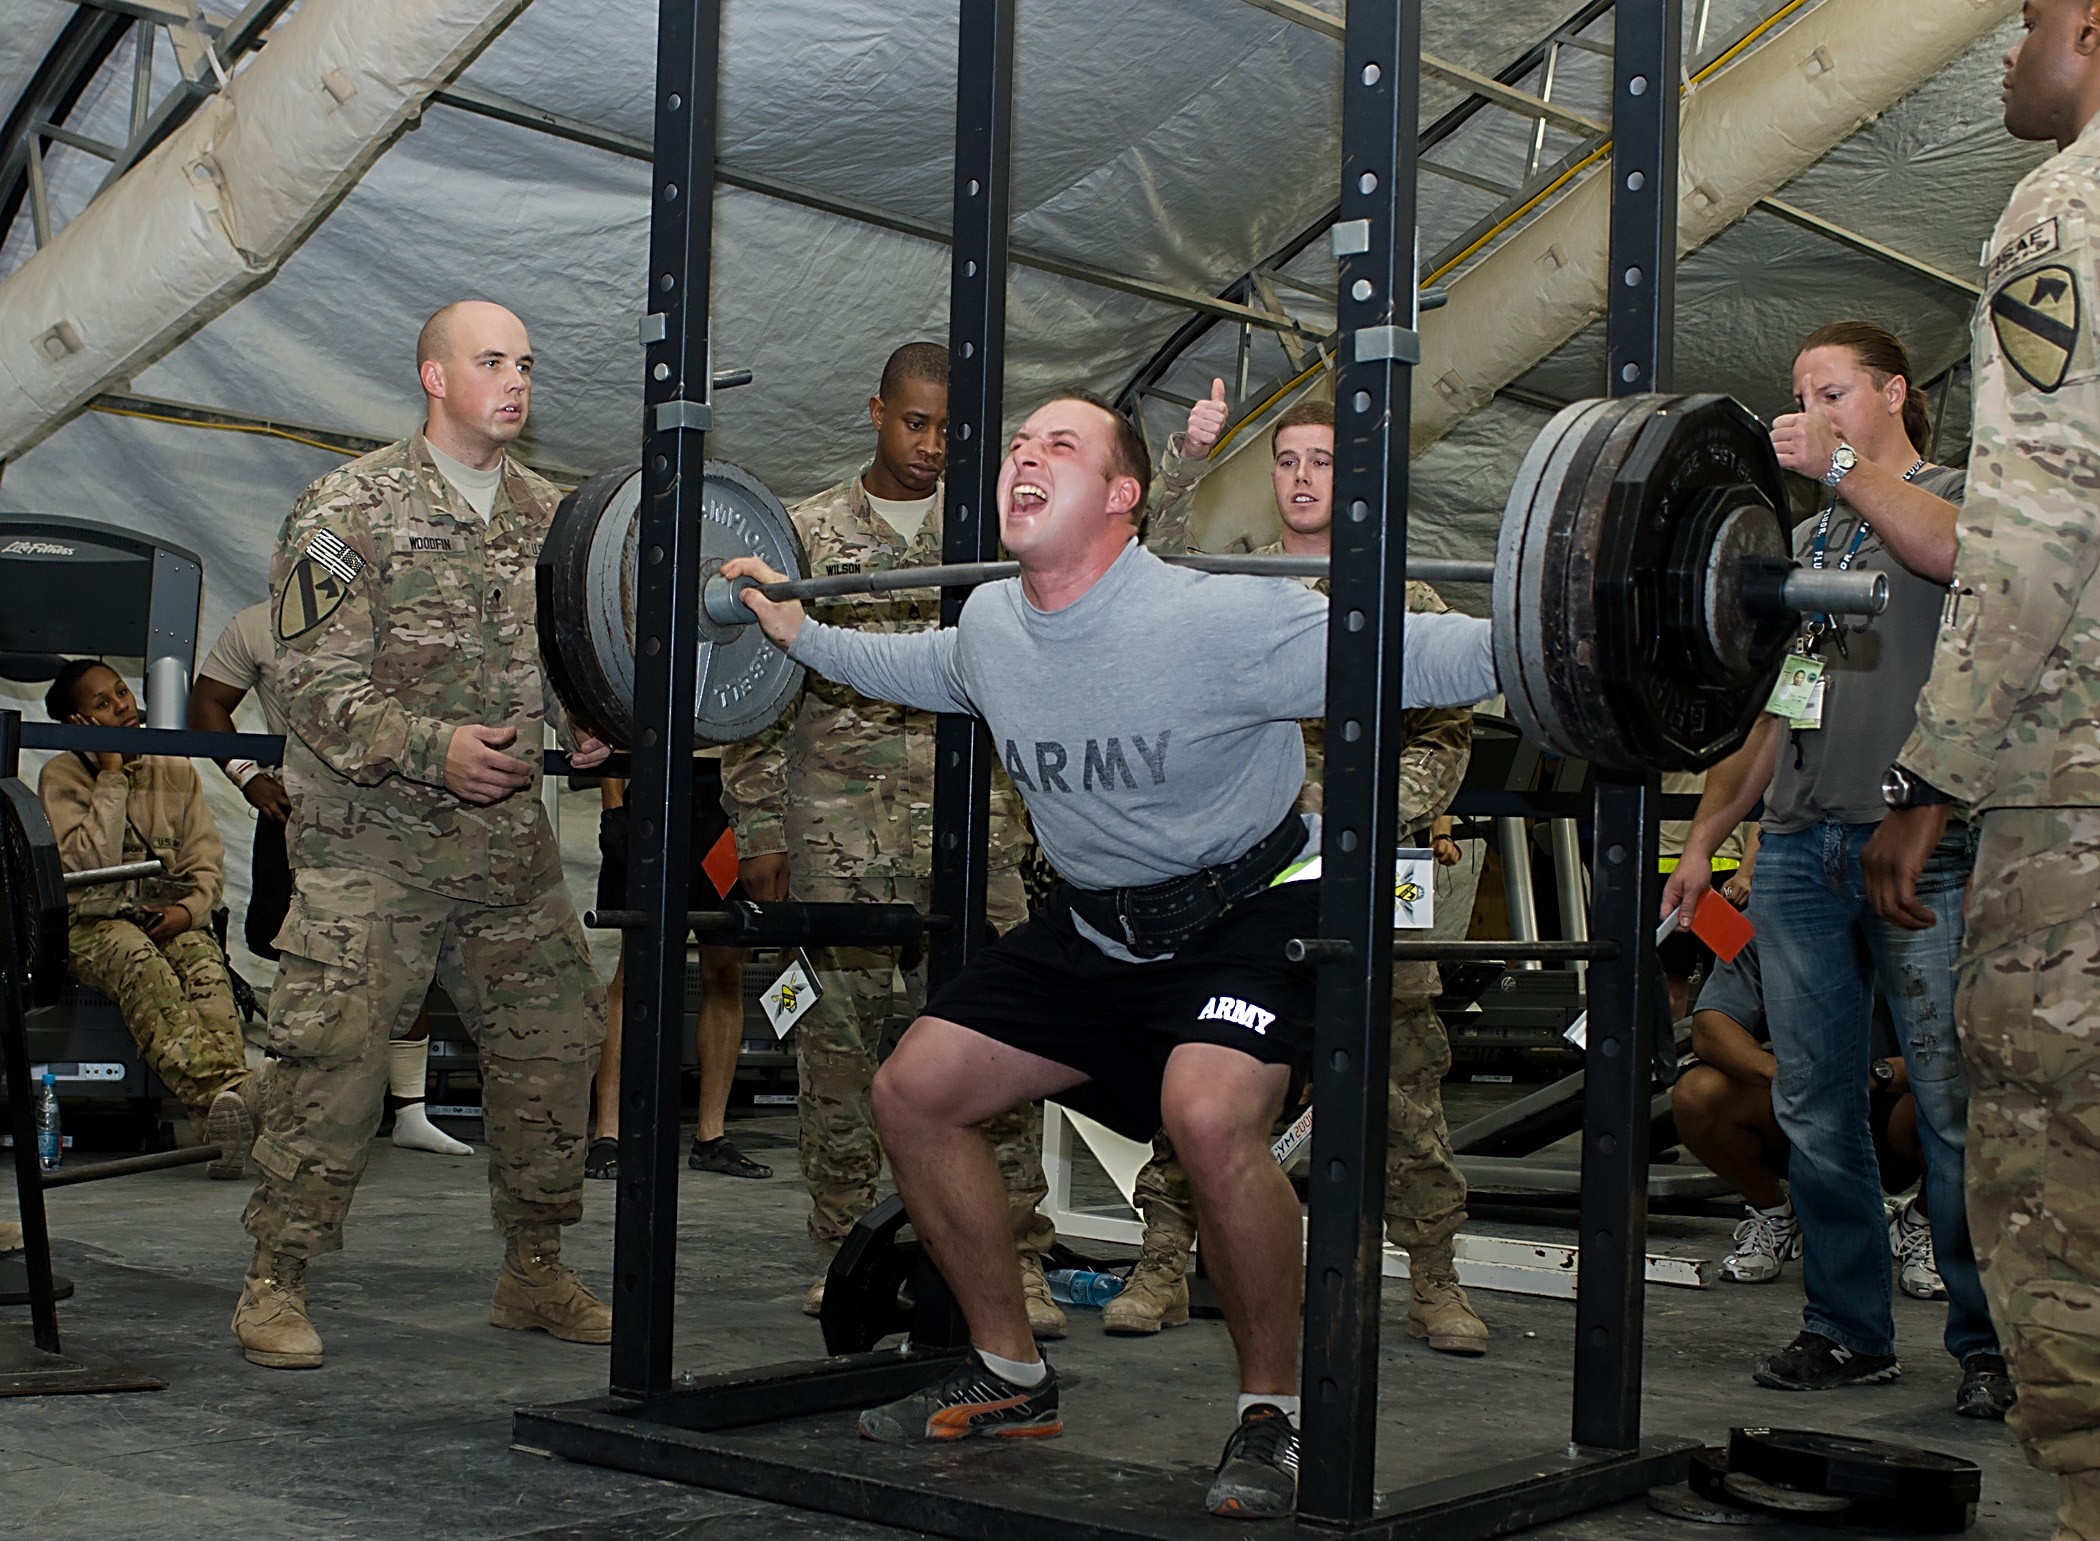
(1818, 551)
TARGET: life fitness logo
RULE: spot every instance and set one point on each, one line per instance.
(37, 548)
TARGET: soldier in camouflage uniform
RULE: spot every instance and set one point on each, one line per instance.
(147, 944)
(404, 613)
(841, 791)
(2007, 730)
(1425, 1194)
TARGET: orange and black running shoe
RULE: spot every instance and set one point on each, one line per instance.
(972, 1400)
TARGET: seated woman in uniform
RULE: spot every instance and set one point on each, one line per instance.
(145, 943)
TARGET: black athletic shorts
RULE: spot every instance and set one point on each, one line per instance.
(1045, 989)
(709, 824)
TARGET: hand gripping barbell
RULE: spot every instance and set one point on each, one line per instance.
(1643, 594)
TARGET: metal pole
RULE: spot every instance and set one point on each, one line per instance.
(1374, 240)
(1568, 883)
(984, 93)
(21, 1105)
(1625, 887)
(1519, 897)
(667, 655)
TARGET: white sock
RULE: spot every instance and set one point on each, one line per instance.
(1031, 1374)
(413, 1130)
(1785, 1207)
(1287, 1405)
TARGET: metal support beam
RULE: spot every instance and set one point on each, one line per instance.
(984, 106)
(1640, 312)
(490, 104)
(1380, 102)
(1831, 230)
(667, 649)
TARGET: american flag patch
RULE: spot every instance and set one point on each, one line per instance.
(332, 554)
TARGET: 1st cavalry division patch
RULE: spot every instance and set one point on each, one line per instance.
(319, 582)
(2036, 317)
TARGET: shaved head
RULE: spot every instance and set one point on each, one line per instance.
(440, 338)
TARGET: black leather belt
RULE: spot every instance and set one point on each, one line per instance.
(1163, 917)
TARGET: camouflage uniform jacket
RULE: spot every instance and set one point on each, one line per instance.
(843, 782)
(2010, 716)
(1437, 747)
(153, 807)
(1173, 488)
(399, 617)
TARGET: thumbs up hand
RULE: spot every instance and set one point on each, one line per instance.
(1206, 423)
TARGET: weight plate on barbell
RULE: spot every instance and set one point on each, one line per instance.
(1620, 633)
(37, 880)
(586, 580)
(1862, 1468)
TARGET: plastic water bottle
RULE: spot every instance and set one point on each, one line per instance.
(50, 1145)
(1083, 1287)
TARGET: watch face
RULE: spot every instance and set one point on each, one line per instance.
(1895, 787)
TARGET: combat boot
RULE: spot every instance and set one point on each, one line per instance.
(1439, 1310)
(229, 1123)
(1157, 1296)
(1045, 1319)
(271, 1320)
(536, 1289)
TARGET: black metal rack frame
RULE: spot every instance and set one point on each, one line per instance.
(730, 1431)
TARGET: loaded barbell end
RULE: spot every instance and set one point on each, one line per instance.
(723, 600)
(1809, 591)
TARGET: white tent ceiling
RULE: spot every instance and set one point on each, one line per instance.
(1180, 141)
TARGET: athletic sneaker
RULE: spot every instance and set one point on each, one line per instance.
(1986, 1387)
(1910, 1239)
(974, 1399)
(1258, 1473)
(1765, 1242)
(1813, 1363)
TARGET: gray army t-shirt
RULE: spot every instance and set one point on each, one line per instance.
(1870, 689)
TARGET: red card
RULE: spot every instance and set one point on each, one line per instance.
(720, 864)
(1721, 926)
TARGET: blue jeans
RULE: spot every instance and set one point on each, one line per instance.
(1823, 950)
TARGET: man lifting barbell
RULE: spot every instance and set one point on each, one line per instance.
(1163, 797)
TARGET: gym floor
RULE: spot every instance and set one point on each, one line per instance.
(406, 1432)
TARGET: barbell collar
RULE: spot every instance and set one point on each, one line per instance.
(1806, 591)
(124, 872)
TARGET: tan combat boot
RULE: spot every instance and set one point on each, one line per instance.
(1157, 1296)
(229, 1123)
(1439, 1310)
(536, 1289)
(1045, 1318)
(271, 1320)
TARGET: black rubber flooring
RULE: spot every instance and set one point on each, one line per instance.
(406, 1433)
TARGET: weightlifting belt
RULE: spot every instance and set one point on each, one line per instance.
(1164, 917)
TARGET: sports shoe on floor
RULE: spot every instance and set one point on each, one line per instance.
(1986, 1388)
(601, 1163)
(1813, 1363)
(972, 1400)
(1258, 1473)
(1765, 1242)
(718, 1155)
(1910, 1239)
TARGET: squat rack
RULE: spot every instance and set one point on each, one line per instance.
(778, 1432)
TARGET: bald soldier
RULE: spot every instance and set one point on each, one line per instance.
(2009, 731)
(402, 606)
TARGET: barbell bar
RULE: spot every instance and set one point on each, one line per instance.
(1644, 595)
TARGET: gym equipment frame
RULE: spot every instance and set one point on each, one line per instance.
(732, 1431)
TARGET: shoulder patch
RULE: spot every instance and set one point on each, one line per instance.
(317, 585)
(2028, 246)
(2036, 317)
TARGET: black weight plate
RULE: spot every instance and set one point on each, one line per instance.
(37, 881)
(867, 1292)
(1695, 1499)
(586, 586)
(1590, 575)
(1846, 1465)
(1760, 1494)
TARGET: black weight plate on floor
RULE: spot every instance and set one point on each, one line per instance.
(38, 883)
(867, 1292)
(1695, 1498)
(1853, 1467)
(1596, 583)
(585, 582)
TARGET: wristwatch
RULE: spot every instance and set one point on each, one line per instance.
(1883, 1072)
(1842, 460)
(1903, 789)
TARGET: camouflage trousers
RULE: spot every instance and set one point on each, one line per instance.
(838, 1043)
(359, 954)
(1425, 1193)
(2029, 1016)
(177, 999)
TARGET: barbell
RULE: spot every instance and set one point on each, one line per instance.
(1643, 594)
